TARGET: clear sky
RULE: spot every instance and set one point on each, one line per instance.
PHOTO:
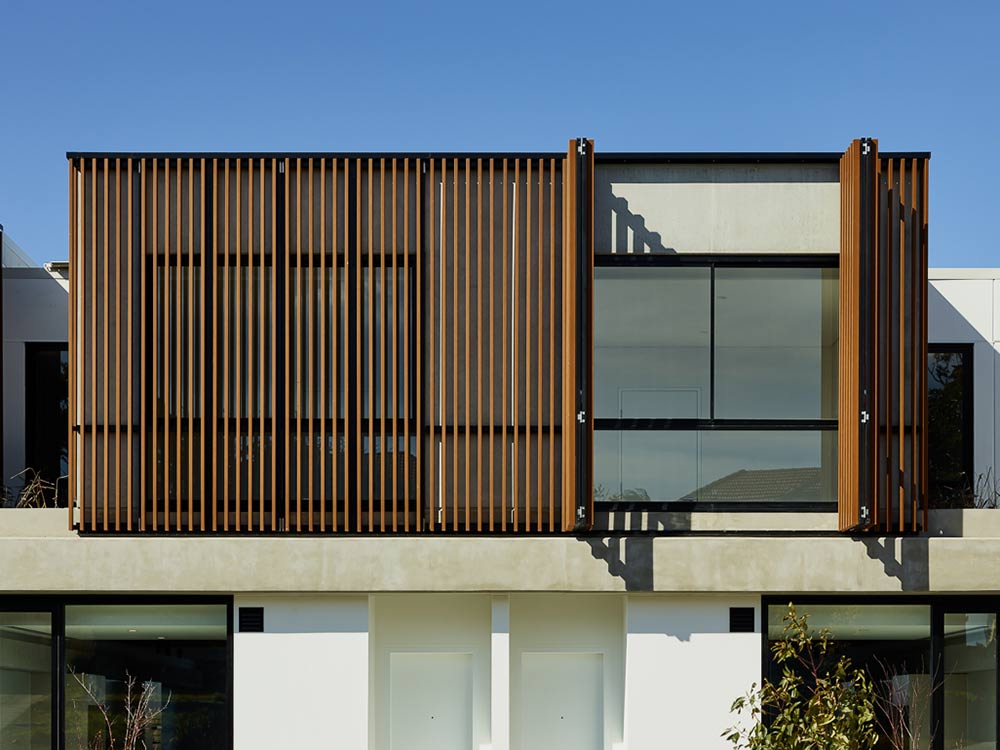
(670, 76)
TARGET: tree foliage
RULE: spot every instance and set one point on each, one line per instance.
(820, 702)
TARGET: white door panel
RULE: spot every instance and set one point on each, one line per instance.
(430, 701)
(563, 701)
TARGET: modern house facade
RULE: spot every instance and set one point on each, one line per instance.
(504, 451)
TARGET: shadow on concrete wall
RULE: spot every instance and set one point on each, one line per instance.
(628, 547)
(612, 232)
(627, 557)
(904, 559)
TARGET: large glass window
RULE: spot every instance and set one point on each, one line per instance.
(933, 665)
(715, 380)
(776, 343)
(26, 680)
(175, 654)
(715, 466)
(951, 483)
(970, 680)
(652, 343)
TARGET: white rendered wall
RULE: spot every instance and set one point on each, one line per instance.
(428, 624)
(569, 624)
(699, 208)
(303, 683)
(962, 309)
(35, 309)
(683, 669)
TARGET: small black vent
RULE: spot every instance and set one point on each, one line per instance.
(252, 619)
(741, 620)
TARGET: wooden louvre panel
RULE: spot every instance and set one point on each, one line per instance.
(882, 478)
(494, 345)
(329, 344)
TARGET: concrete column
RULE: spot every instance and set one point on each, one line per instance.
(500, 674)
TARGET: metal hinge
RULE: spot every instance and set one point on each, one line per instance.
(864, 417)
(581, 417)
(581, 146)
(580, 514)
(863, 515)
(281, 166)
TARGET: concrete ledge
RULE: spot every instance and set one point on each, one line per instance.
(35, 522)
(974, 523)
(672, 521)
(669, 564)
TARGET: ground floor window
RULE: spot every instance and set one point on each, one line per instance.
(73, 671)
(933, 663)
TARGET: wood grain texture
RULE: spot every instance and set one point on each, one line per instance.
(402, 323)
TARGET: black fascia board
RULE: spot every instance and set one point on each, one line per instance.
(316, 155)
(601, 157)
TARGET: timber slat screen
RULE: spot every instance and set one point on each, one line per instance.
(883, 341)
(323, 344)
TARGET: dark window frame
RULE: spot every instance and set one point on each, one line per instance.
(968, 404)
(940, 605)
(55, 607)
(713, 261)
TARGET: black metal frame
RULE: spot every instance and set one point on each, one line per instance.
(940, 605)
(600, 157)
(3, 478)
(713, 261)
(968, 403)
(585, 339)
(55, 606)
(867, 422)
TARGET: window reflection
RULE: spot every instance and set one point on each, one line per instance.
(652, 343)
(949, 434)
(892, 643)
(715, 466)
(179, 652)
(776, 343)
(26, 680)
(970, 681)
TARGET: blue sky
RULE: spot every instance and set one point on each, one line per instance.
(505, 75)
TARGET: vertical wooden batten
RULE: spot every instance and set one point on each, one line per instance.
(320, 344)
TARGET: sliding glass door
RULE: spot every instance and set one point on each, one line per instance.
(76, 672)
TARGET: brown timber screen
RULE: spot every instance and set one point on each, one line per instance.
(321, 344)
(883, 341)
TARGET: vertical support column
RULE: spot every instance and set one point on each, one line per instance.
(578, 286)
(500, 673)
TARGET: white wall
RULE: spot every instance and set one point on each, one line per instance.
(35, 308)
(322, 673)
(962, 309)
(752, 208)
(303, 683)
(683, 669)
